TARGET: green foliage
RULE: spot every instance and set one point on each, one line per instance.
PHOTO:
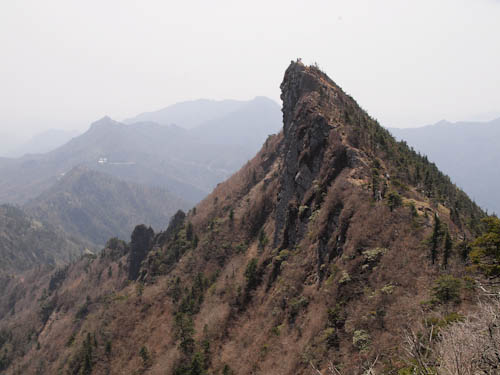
(251, 275)
(330, 337)
(361, 340)
(5, 360)
(296, 305)
(444, 321)
(413, 209)
(193, 299)
(175, 290)
(5, 354)
(485, 253)
(5, 337)
(394, 200)
(447, 289)
(345, 278)
(176, 244)
(46, 309)
(409, 167)
(416, 369)
(184, 329)
(464, 250)
(336, 316)
(145, 356)
(26, 242)
(139, 289)
(108, 347)
(83, 310)
(195, 356)
(387, 289)
(263, 240)
(83, 361)
(435, 238)
(226, 370)
(373, 255)
(241, 247)
(71, 339)
(57, 279)
(189, 231)
(115, 249)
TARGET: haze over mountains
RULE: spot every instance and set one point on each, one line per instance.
(114, 176)
(467, 151)
(95, 207)
(39, 143)
(322, 251)
(188, 163)
(26, 242)
(190, 114)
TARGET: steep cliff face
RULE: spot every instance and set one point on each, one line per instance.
(316, 251)
(313, 151)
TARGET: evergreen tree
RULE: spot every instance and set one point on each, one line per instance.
(394, 200)
(436, 235)
(486, 248)
(86, 369)
(189, 231)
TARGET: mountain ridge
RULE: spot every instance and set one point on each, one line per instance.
(187, 163)
(95, 207)
(466, 151)
(316, 252)
(26, 242)
(178, 113)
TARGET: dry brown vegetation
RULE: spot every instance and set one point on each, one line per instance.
(298, 261)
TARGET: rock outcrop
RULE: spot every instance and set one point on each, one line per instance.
(309, 255)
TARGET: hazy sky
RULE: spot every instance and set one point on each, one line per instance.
(66, 63)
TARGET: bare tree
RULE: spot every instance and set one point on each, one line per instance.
(418, 348)
(472, 346)
(333, 370)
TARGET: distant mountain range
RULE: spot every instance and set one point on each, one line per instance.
(188, 163)
(467, 151)
(95, 206)
(41, 143)
(191, 114)
(26, 242)
(334, 247)
(114, 176)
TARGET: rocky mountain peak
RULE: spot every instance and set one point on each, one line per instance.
(304, 85)
(313, 117)
(318, 251)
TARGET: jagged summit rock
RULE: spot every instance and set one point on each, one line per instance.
(314, 109)
(314, 252)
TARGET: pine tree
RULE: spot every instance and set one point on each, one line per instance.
(86, 369)
(436, 235)
(189, 231)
